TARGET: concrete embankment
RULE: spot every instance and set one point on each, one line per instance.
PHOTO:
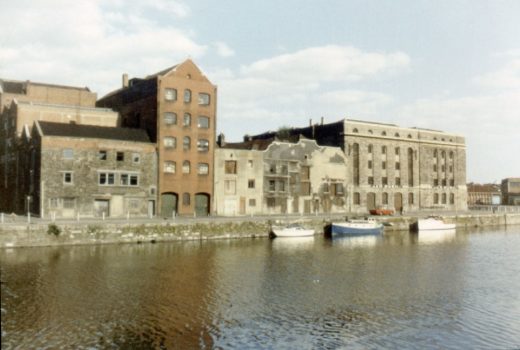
(35, 235)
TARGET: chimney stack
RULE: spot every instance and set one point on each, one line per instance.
(322, 118)
(221, 140)
(125, 80)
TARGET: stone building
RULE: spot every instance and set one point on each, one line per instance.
(177, 108)
(23, 103)
(404, 169)
(511, 191)
(272, 177)
(91, 171)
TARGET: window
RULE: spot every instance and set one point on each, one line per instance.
(169, 167)
(383, 150)
(397, 166)
(136, 158)
(357, 198)
(369, 164)
(230, 186)
(443, 154)
(170, 142)
(383, 165)
(186, 199)
(281, 186)
(325, 188)
(444, 198)
(385, 198)
(436, 198)
(398, 181)
(443, 168)
(102, 155)
(272, 185)
(170, 94)
(203, 99)
(434, 167)
(186, 167)
(186, 143)
(383, 133)
(106, 179)
(451, 168)
(271, 202)
(338, 189)
(251, 183)
(384, 180)
(202, 145)
(187, 119)
(203, 168)
(69, 203)
(170, 118)
(451, 155)
(187, 95)
(369, 148)
(410, 198)
(230, 167)
(252, 202)
(452, 182)
(396, 134)
(203, 122)
(250, 164)
(53, 203)
(134, 180)
(452, 198)
(435, 154)
(68, 153)
(370, 180)
(397, 151)
(355, 130)
(124, 180)
(305, 188)
(120, 156)
(67, 177)
(435, 182)
(444, 182)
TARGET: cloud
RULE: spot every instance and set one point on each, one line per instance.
(327, 64)
(292, 87)
(92, 42)
(506, 77)
(223, 50)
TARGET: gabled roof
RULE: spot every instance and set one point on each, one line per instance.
(93, 132)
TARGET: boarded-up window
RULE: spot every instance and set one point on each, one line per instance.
(230, 166)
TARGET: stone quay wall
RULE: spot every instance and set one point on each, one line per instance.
(38, 235)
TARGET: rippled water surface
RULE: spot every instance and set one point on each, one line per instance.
(455, 291)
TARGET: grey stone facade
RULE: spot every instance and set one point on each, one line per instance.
(92, 176)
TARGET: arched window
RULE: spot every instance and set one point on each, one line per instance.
(444, 198)
(357, 198)
(355, 130)
(409, 136)
(369, 148)
(187, 95)
(385, 198)
(186, 143)
(187, 119)
(410, 198)
(396, 134)
(186, 167)
(370, 131)
(383, 133)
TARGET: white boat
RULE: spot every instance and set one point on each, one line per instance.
(356, 228)
(293, 230)
(432, 223)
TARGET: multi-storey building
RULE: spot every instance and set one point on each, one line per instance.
(22, 103)
(511, 191)
(86, 170)
(177, 108)
(395, 167)
(484, 194)
(272, 177)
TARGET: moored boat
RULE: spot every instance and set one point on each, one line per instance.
(354, 228)
(293, 230)
(431, 224)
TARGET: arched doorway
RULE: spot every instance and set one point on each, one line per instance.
(201, 204)
(371, 200)
(169, 203)
(398, 202)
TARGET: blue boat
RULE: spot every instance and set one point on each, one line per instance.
(355, 228)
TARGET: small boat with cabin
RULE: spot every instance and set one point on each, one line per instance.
(354, 227)
(431, 224)
(292, 230)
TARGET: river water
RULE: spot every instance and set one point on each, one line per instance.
(402, 291)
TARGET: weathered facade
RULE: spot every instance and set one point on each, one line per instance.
(22, 103)
(403, 169)
(271, 177)
(484, 194)
(90, 171)
(511, 191)
(177, 108)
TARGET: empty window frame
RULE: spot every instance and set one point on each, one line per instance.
(186, 167)
(102, 155)
(169, 167)
(67, 178)
(170, 94)
(170, 142)
(203, 122)
(120, 156)
(187, 95)
(230, 167)
(186, 143)
(186, 121)
(203, 168)
(170, 118)
(202, 145)
(204, 99)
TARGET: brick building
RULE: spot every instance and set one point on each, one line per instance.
(86, 170)
(394, 167)
(177, 108)
(484, 194)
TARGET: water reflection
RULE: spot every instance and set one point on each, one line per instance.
(361, 292)
(436, 236)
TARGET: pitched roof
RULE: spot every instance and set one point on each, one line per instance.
(93, 132)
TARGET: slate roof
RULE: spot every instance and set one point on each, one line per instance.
(93, 132)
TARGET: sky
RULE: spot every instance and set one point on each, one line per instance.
(450, 65)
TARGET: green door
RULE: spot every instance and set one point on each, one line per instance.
(169, 204)
(202, 204)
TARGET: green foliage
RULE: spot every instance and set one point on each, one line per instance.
(52, 229)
